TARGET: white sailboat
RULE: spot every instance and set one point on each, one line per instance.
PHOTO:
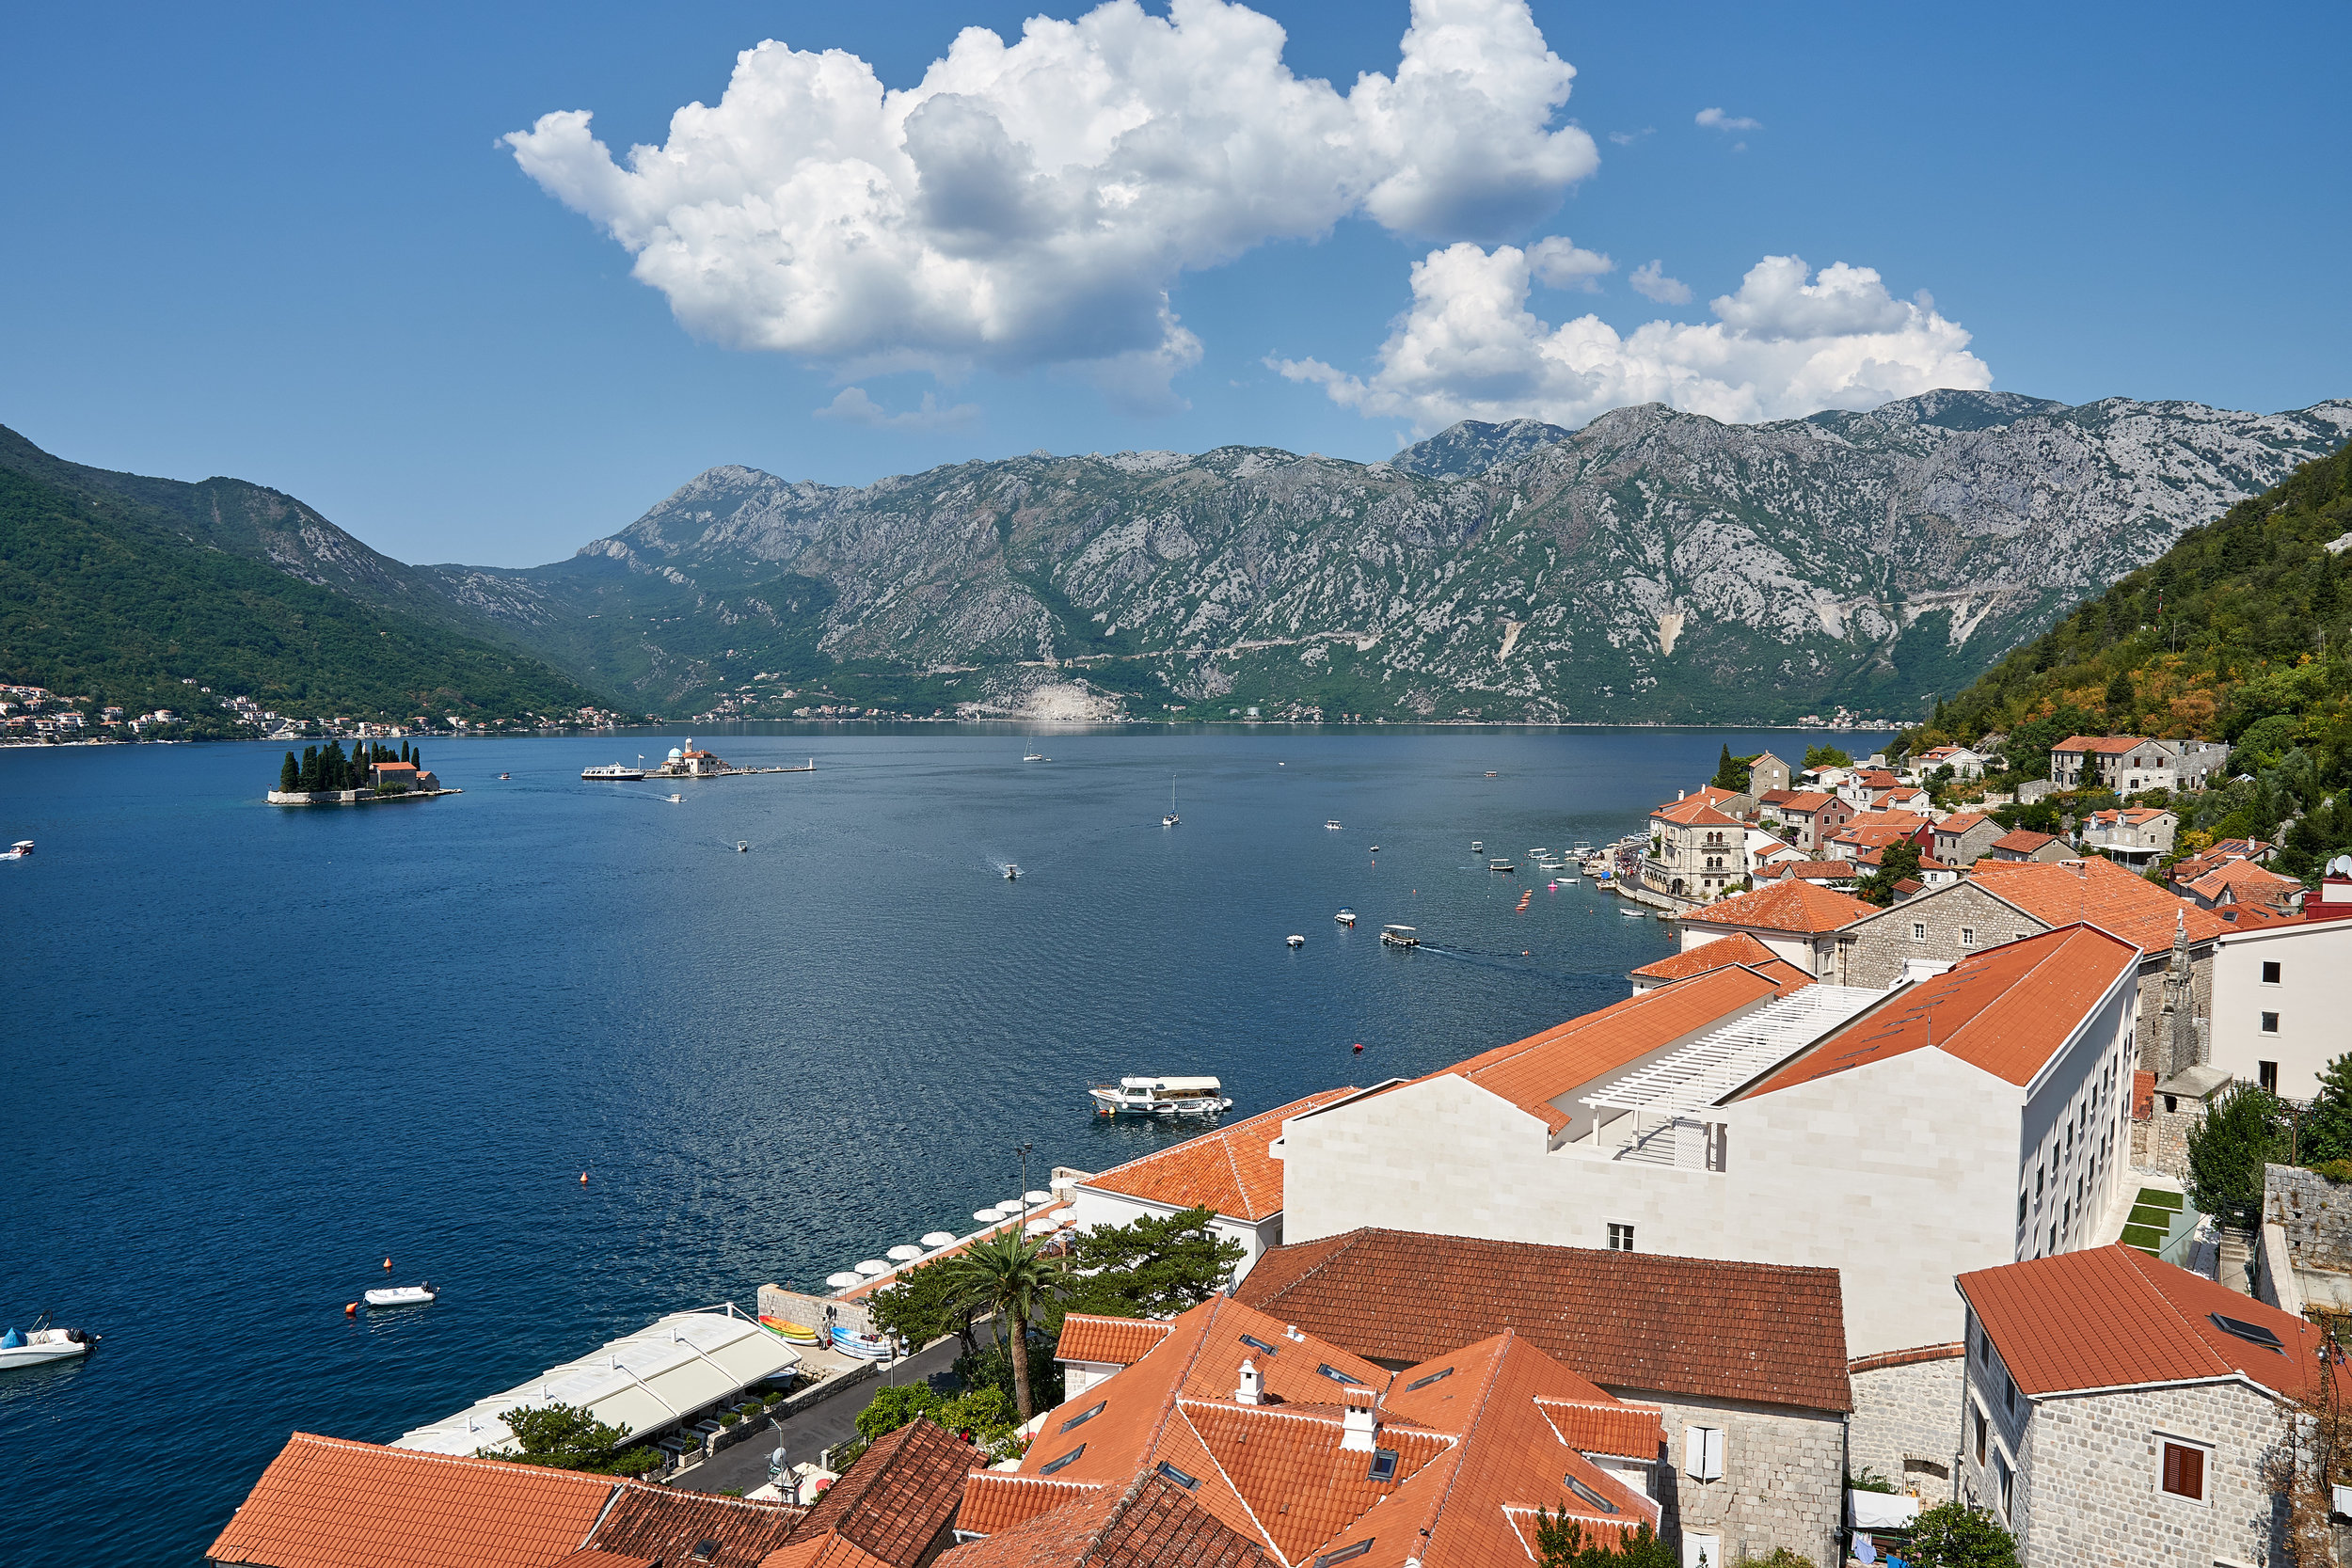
(1171, 819)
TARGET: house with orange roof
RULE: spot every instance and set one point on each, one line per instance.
(1813, 817)
(1839, 874)
(1959, 1119)
(2189, 868)
(1745, 1362)
(1876, 830)
(1795, 918)
(2121, 1410)
(2024, 844)
(1234, 1172)
(1695, 849)
(1963, 837)
(2005, 901)
(2244, 882)
(2136, 836)
(1739, 948)
(1318, 1455)
(1965, 762)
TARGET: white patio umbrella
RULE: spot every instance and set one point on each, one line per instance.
(1035, 1199)
(903, 1254)
(843, 1280)
(873, 1266)
(986, 1216)
(1042, 1227)
(937, 1239)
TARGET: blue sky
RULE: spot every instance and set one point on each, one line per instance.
(286, 242)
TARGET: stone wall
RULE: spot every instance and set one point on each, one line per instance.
(2316, 1214)
(2160, 1144)
(1783, 1481)
(1872, 951)
(1906, 1417)
(817, 1312)
(2090, 1487)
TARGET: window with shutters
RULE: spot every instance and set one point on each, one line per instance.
(2185, 1470)
(1703, 1452)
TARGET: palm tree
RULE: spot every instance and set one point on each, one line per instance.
(1011, 1277)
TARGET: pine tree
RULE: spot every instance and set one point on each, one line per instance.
(2120, 697)
(309, 768)
(288, 776)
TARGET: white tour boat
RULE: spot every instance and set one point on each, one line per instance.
(1334, 824)
(402, 1296)
(1399, 936)
(612, 772)
(42, 1344)
(1345, 917)
(1160, 1097)
(1294, 940)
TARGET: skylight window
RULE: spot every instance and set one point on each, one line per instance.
(1345, 1554)
(1257, 1345)
(1337, 1376)
(1590, 1497)
(1426, 1382)
(2254, 1334)
(1187, 1482)
(1083, 1417)
(1383, 1465)
(1052, 1465)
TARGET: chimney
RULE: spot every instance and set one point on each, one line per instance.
(1679, 794)
(1360, 1423)
(1253, 1389)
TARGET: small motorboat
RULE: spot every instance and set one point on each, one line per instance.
(1634, 914)
(1564, 882)
(1294, 941)
(1035, 756)
(1345, 917)
(506, 775)
(1490, 775)
(42, 1344)
(402, 1295)
(1170, 821)
(1500, 865)
(1160, 1097)
(1476, 847)
(1012, 873)
(21, 849)
(1399, 936)
(1334, 824)
(742, 846)
(1375, 848)
(677, 800)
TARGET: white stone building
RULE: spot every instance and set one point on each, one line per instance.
(1969, 1118)
(2282, 996)
(1695, 851)
(2120, 1412)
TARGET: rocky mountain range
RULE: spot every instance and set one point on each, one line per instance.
(1653, 566)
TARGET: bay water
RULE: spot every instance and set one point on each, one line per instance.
(253, 1052)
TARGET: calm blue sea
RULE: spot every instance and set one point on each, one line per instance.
(253, 1052)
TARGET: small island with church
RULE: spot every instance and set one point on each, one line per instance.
(326, 777)
(685, 762)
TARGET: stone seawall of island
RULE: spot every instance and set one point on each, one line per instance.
(350, 797)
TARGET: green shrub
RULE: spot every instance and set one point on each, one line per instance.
(1953, 1535)
(2338, 1171)
(1869, 1481)
(728, 1417)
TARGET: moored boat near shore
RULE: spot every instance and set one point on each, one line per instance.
(1198, 1096)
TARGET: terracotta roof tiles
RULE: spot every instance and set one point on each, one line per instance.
(1150, 1523)
(2006, 1010)
(1120, 1340)
(996, 1500)
(2098, 892)
(2114, 1317)
(823, 1550)
(1807, 804)
(2024, 841)
(1613, 1428)
(1692, 810)
(658, 1522)
(1738, 948)
(1763, 1332)
(1790, 905)
(1228, 1170)
(897, 1498)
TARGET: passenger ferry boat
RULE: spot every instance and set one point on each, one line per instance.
(612, 772)
(1399, 936)
(1160, 1097)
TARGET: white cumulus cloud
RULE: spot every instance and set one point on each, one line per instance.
(1715, 119)
(1032, 203)
(1788, 342)
(1650, 281)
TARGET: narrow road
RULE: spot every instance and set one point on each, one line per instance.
(806, 1435)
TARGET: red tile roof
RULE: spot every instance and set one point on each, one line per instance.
(326, 1503)
(2110, 745)
(2023, 841)
(1152, 1522)
(1790, 905)
(1614, 1428)
(2114, 1317)
(1692, 810)
(823, 1550)
(2059, 892)
(1817, 871)
(1228, 1170)
(1762, 1332)
(1961, 821)
(2007, 1010)
(1737, 948)
(897, 1498)
(1777, 797)
(1809, 802)
(1532, 1072)
(1124, 1340)
(995, 1500)
(2245, 879)
(1470, 1441)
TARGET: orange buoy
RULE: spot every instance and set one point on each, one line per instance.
(351, 1309)
(387, 1262)
(1359, 1048)
(584, 1179)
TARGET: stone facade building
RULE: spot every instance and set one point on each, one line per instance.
(1962, 838)
(2120, 1412)
(1906, 1417)
(1815, 818)
(1695, 851)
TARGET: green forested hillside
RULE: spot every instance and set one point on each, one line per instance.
(2242, 631)
(103, 596)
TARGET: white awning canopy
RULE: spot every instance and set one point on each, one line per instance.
(1698, 1075)
(644, 1381)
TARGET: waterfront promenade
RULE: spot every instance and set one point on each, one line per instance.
(828, 1421)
